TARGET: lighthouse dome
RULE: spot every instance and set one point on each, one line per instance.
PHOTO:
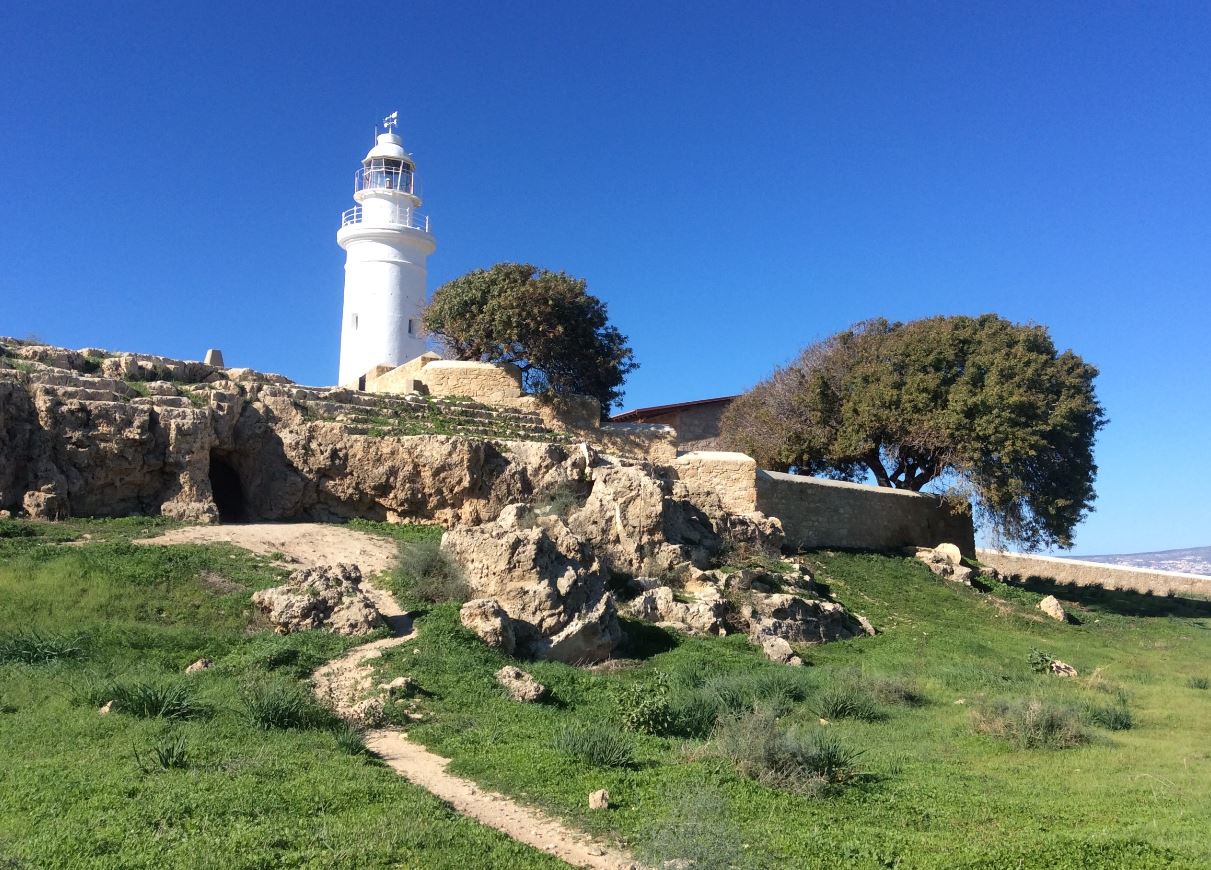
(389, 145)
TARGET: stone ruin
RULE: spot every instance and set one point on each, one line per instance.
(92, 433)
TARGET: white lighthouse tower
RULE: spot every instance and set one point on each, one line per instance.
(387, 243)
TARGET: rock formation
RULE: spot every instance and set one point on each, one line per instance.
(327, 596)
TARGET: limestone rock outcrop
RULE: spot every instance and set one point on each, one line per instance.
(490, 622)
(325, 597)
(1052, 607)
(86, 433)
(520, 685)
(547, 580)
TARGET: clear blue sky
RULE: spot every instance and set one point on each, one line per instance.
(736, 180)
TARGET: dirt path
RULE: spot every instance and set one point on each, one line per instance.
(345, 682)
(522, 823)
(307, 544)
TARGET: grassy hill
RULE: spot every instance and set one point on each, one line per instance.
(943, 746)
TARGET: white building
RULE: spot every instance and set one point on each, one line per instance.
(387, 243)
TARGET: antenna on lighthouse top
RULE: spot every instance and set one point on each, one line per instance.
(391, 121)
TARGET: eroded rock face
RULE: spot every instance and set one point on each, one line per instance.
(490, 622)
(704, 614)
(325, 597)
(546, 579)
(141, 435)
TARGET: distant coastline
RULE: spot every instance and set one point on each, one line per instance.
(1190, 560)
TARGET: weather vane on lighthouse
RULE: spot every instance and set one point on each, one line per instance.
(387, 242)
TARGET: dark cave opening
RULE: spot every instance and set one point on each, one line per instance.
(228, 494)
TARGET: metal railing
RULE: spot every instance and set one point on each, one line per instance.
(397, 217)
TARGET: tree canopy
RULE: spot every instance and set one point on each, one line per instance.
(982, 404)
(546, 323)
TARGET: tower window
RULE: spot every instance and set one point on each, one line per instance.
(411, 326)
(355, 321)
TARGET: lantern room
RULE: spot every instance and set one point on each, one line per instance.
(386, 168)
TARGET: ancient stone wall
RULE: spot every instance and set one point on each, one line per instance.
(830, 513)
(649, 443)
(1080, 573)
(481, 381)
(731, 477)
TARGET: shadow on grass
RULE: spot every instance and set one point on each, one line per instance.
(1126, 602)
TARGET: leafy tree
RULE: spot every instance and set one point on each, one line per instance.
(546, 323)
(979, 402)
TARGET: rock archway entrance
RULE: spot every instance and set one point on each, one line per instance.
(227, 490)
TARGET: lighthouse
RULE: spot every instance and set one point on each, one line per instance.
(387, 242)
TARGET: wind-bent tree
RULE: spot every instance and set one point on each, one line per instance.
(977, 401)
(545, 323)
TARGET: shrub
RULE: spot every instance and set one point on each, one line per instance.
(431, 575)
(846, 702)
(558, 500)
(171, 753)
(1115, 717)
(272, 704)
(595, 743)
(1039, 661)
(806, 762)
(645, 708)
(1030, 724)
(36, 648)
(1198, 683)
(152, 699)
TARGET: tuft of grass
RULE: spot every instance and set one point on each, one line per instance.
(1113, 717)
(432, 576)
(848, 702)
(1031, 724)
(894, 691)
(169, 753)
(596, 743)
(32, 647)
(1198, 683)
(152, 699)
(349, 740)
(270, 704)
(791, 759)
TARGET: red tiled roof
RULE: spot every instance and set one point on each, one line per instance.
(637, 415)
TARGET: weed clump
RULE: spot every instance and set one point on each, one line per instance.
(1113, 717)
(1039, 661)
(1031, 724)
(845, 702)
(170, 753)
(595, 743)
(431, 575)
(272, 704)
(349, 740)
(1198, 683)
(37, 648)
(759, 748)
(152, 699)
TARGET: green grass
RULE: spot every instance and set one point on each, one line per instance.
(924, 783)
(921, 785)
(146, 787)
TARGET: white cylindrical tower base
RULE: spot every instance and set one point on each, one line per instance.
(385, 274)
